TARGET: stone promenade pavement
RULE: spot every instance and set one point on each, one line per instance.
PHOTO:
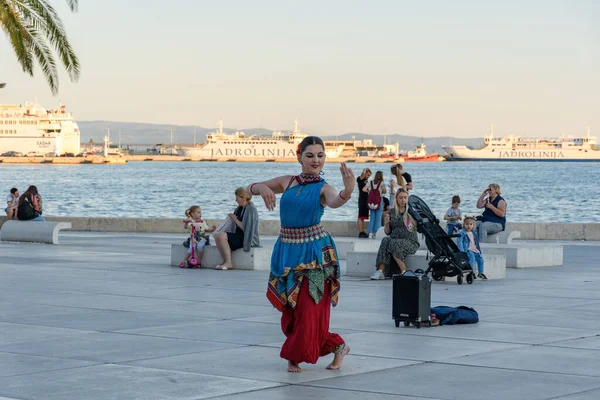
(103, 316)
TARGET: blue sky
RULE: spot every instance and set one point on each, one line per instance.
(420, 68)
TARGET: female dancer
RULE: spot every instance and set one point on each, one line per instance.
(305, 274)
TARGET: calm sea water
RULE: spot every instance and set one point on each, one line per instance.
(535, 192)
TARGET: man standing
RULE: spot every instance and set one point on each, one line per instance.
(399, 179)
(363, 208)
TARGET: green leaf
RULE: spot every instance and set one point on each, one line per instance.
(33, 27)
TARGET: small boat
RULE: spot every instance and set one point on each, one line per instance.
(420, 154)
(390, 157)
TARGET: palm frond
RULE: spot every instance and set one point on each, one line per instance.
(42, 16)
(33, 27)
(43, 55)
(15, 30)
(73, 4)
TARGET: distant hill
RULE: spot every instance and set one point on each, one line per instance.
(143, 133)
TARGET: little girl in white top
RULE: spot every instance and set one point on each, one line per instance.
(194, 218)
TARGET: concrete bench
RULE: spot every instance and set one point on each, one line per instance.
(362, 264)
(526, 255)
(342, 246)
(32, 231)
(503, 237)
(258, 258)
(494, 268)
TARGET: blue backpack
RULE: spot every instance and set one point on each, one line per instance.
(455, 315)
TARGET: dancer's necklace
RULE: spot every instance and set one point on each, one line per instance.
(304, 179)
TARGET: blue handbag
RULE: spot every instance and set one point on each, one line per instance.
(455, 315)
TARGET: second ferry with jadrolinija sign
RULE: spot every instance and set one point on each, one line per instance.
(278, 145)
(221, 145)
(515, 148)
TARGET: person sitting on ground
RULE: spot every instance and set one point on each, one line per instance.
(469, 243)
(453, 216)
(493, 219)
(12, 204)
(401, 241)
(399, 179)
(245, 234)
(375, 202)
(200, 239)
(29, 205)
(363, 208)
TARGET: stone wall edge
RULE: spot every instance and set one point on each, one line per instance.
(531, 231)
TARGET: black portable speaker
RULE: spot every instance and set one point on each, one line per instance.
(411, 299)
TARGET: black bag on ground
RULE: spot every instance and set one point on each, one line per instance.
(411, 299)
(455, 315)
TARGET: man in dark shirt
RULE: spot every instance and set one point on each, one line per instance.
(399, 179)
(363, 208)
(406, 176)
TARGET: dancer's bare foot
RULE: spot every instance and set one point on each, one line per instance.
(293, 367)
(339, 357)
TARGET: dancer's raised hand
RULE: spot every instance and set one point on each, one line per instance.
(348, 178)
(268, 197)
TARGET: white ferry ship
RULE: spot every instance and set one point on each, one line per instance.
(31, 129)
(514, 148)
(351, 148)
(220, 145)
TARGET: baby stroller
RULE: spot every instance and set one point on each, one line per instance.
(447, 259)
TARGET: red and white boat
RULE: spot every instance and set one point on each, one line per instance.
(420, 155)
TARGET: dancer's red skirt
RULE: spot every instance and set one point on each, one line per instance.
(307, 328)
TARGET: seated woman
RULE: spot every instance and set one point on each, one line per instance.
(30, 205)
(493, 219)
(245, 234)
(401, 241)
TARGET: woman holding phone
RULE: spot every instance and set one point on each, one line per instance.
(493, 219)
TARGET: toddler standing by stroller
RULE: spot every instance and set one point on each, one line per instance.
(196, 224)
(469, 243)
(453, 216)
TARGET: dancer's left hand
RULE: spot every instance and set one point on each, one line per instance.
(348, 178)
